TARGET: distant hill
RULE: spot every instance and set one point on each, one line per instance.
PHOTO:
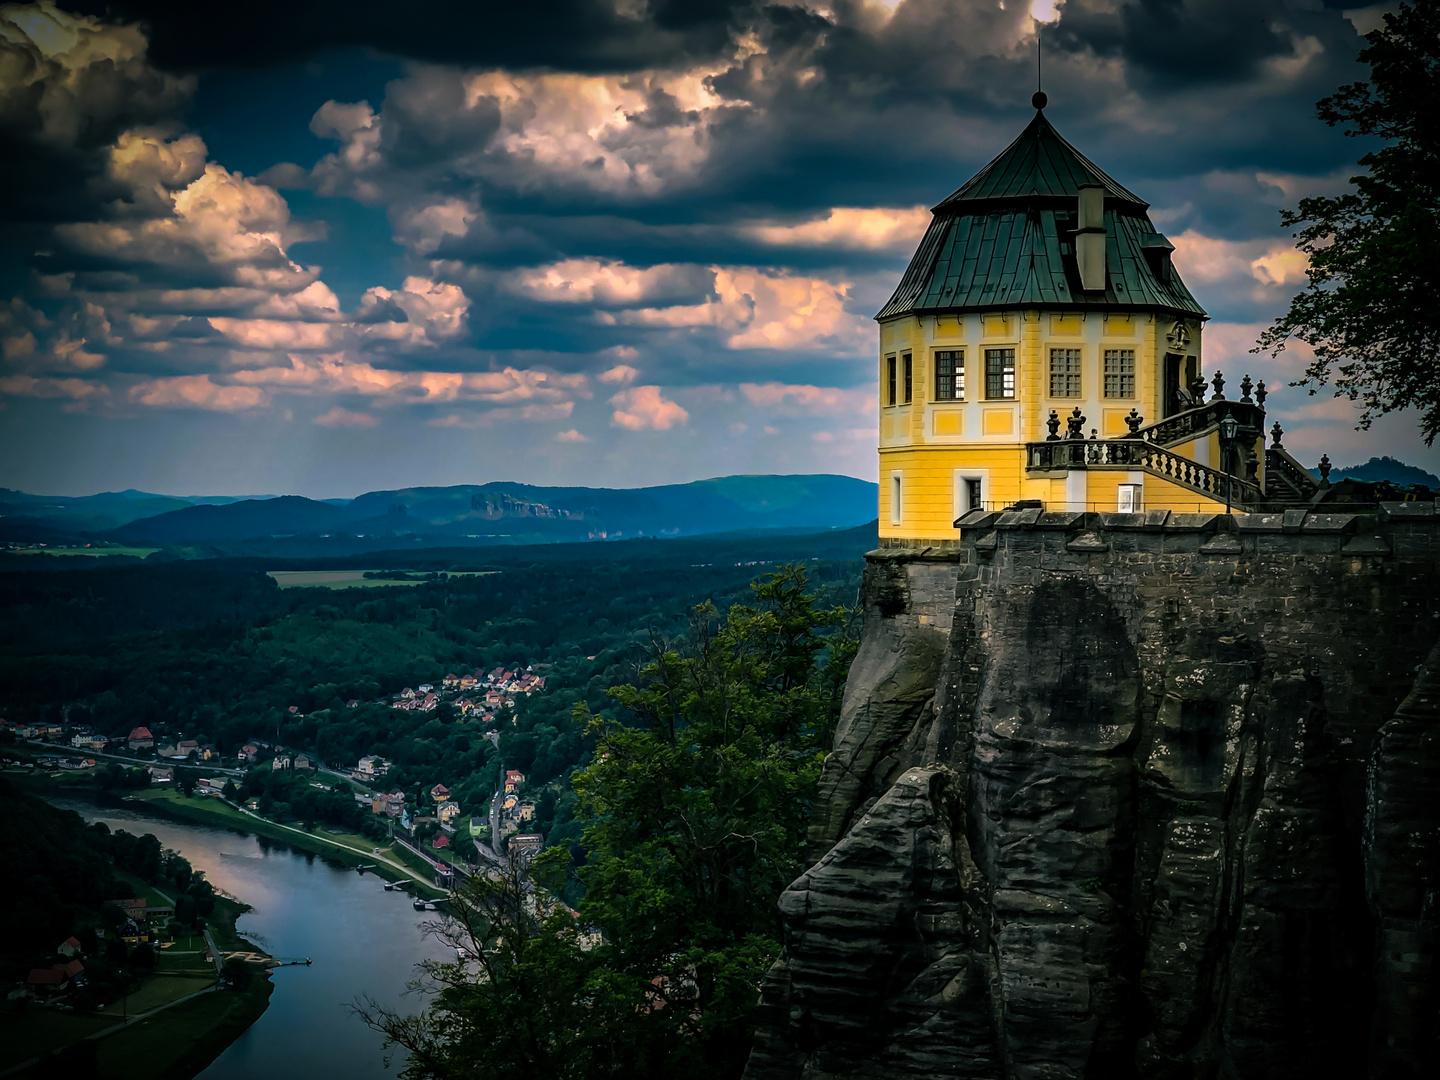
(287, 515)
(87, 513)
(1385, 470)
(509, 513)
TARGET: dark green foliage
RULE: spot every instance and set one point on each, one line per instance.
(224, 653)
(693, 812)
(1375, 252)
(64, 871)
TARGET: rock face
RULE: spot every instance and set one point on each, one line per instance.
(1128, 796)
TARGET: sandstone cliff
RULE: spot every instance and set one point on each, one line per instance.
(1128, 795)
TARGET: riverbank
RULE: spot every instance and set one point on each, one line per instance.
(175, 1018)
(350, 850)
(346, 849)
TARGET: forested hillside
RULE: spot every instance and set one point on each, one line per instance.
(217, 652)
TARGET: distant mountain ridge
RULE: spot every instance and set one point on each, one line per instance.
(1385, 470)
(497, 512)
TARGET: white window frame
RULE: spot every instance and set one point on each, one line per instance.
(897, 498)
(1130, 499)
(961, 490)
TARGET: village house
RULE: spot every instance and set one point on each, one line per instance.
(208, 752)
(185, 747)
(430, 703)
(353, 703)
(513, 780)
(372, 767)
(141, 739)
(525, 811)
(449, 682)
(441, 842)
(526, 844)
(304, 761)
(51, 980)
(294, 710)
(407, 693)
(448, 812)
(465, 705)
(161, 774)
(249, 752)
(439, 793)
(280, 761)
(468, 682)
(165, 750)
(423, 688)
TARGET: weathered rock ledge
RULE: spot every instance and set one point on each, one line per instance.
(1128, 796)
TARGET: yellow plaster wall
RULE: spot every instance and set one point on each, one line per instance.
(927, 441)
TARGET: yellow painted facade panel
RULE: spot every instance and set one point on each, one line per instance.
(949, 422)
(997, 422)
(929, 443)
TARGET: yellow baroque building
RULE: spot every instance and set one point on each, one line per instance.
(1041, 349)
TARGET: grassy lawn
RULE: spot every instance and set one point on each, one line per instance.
(163, 989)
(146, 892)
(182, 1041)
(31, 1030)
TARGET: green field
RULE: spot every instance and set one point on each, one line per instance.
(152, 1050)
(28, 1030)
(349, 579)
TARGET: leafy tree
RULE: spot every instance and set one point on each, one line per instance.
(694, 813)
(1374, 253)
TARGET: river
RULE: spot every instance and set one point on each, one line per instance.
(362, 939)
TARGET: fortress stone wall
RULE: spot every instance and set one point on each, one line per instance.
(1128, 795)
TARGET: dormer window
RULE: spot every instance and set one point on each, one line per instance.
(1157, 252)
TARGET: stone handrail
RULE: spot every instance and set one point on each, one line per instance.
(1064, 454)
(1282, 467)
(1201, 420)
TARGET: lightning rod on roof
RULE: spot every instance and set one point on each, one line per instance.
(1038, 99)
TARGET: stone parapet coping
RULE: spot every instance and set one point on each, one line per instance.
(1213, 534)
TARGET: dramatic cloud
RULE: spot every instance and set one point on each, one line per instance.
(644, 408)
(455, 238)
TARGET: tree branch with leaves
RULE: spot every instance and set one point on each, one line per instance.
(1368, 310)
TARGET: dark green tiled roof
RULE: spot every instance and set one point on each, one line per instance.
(1006, 240)
(1039, 163)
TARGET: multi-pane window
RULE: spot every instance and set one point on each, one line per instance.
(890, 380)
(950, 375)
(1064, 372)
(999, 373)
(1120, 373)
(909, 377)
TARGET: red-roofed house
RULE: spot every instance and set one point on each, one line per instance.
(513, 780)
(439, 793)
(69, 947)
(141, 739)
(441, 842)
(51, 980)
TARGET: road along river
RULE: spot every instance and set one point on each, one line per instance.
(362, 939)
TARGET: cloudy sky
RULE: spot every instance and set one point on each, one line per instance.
(327, 247)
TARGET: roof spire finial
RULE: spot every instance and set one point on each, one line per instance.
(1038, 99)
